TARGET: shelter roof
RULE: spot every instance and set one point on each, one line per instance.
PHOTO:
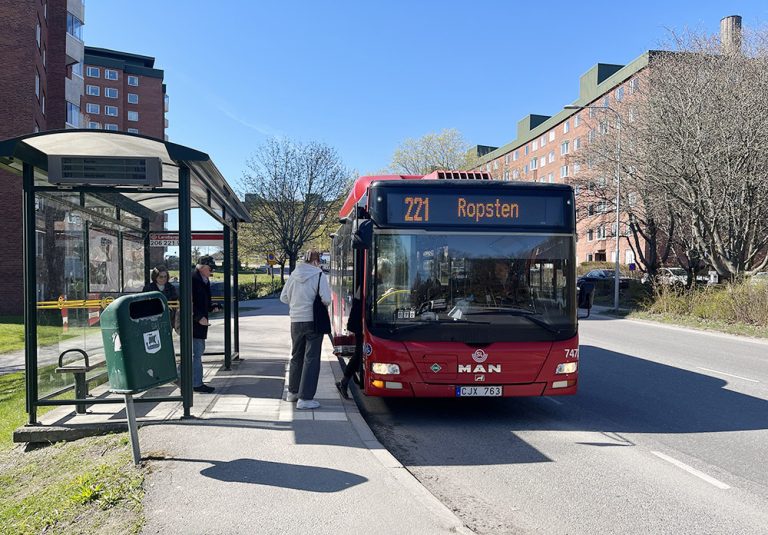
(209, 187)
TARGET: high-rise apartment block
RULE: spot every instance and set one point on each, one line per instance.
(124, 92)
(41, 83)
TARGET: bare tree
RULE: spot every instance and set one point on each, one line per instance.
(445, 150)
(291, 189)
(695, 153)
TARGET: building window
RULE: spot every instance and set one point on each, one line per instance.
(526, 150)
(590, 237)
(591, 210)
(90, 107)
(576, 168)
(577, 144)
(552, 135)
(506, 156)
(632, 198)
(94, 125)
(631, 114)
(73, 115)
(110, 92)
(506, 172)
(566, 127)
(619, 95)
(77, 69)
(525, 169)
(110, 126)
(110, 74)
(133, 130)
(92, 90)
(535, 144)
(133, 80)
(634, 85)
(551, 156)
(577, 120)
(110, 110)
(563, 148)
(564, 171)
(602, 207)
(606, 101)
(515, 174)
(133, 98)
(92, 72)
(42, 102)
(551, 178)
(591, 135)
(589, 257)
(73, 70)
(38, 34)
(37, 84)
(601, 232)
(534, 164)
(74, 26)
(543, 140)
(542, 161)
(516, 155)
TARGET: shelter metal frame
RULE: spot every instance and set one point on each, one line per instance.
(187, 175)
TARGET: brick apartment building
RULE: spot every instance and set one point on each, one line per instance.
(547, 149)
(41, 84)
(124, 92)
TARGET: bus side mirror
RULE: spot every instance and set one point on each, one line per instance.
(586, 296)
(363, 236)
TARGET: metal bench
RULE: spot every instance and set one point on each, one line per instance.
(79, 368)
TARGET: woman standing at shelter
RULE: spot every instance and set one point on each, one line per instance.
(304, 283)
(161, 283)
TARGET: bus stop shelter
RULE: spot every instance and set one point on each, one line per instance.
(91, 199)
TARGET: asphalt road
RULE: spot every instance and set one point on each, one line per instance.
(668, 434)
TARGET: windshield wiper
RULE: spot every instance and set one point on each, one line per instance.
(440, 321)
(522, 313)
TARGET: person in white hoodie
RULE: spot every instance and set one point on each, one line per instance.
(306, 281)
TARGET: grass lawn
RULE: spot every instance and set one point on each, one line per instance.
(12, 334)
(86, 486)
(739, 329)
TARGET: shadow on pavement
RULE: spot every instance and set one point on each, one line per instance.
(284, 475)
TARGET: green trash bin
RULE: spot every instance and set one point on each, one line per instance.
(138, 347)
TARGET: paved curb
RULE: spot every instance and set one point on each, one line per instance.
(388, 461)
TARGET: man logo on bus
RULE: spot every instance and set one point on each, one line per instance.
(479, 356)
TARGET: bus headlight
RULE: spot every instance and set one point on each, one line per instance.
(567, 367)
(385, 369)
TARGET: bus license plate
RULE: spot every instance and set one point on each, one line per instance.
(478, 391)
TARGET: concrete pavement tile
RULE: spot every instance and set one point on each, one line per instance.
(335, 416)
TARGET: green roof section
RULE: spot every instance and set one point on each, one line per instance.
(597, 81)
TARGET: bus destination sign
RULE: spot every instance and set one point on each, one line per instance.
(451, 209)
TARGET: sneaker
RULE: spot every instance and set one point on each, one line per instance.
(204, 389)
(342, 386)
(290, 396)
(305, 404)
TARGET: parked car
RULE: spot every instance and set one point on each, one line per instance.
(759, 278)
(670, 276)
(605, 275)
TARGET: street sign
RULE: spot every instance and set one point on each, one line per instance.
(271, 259)
(171, 239)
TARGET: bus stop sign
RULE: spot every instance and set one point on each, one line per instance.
(271, 259)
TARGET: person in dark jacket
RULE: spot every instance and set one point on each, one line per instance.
(201, 307)
(160, 283)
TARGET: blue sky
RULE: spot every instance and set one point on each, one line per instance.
(363, 76)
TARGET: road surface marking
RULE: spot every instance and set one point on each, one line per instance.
(692, 470)
(728, 374)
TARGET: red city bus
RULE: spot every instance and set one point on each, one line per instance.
(468, 285)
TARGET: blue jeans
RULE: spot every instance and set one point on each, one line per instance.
(198, 348)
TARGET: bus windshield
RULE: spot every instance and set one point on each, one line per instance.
(472, 287)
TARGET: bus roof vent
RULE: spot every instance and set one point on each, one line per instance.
(458, 175)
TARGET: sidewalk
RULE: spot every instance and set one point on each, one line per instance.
(251, 463)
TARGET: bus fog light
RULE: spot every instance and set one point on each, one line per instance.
(385, 369)
(567, 367)
(560, 384)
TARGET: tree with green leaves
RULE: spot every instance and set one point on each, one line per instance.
(446, 150)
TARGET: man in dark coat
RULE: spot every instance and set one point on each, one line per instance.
(201, 306)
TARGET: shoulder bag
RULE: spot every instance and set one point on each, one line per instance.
(320, 312)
